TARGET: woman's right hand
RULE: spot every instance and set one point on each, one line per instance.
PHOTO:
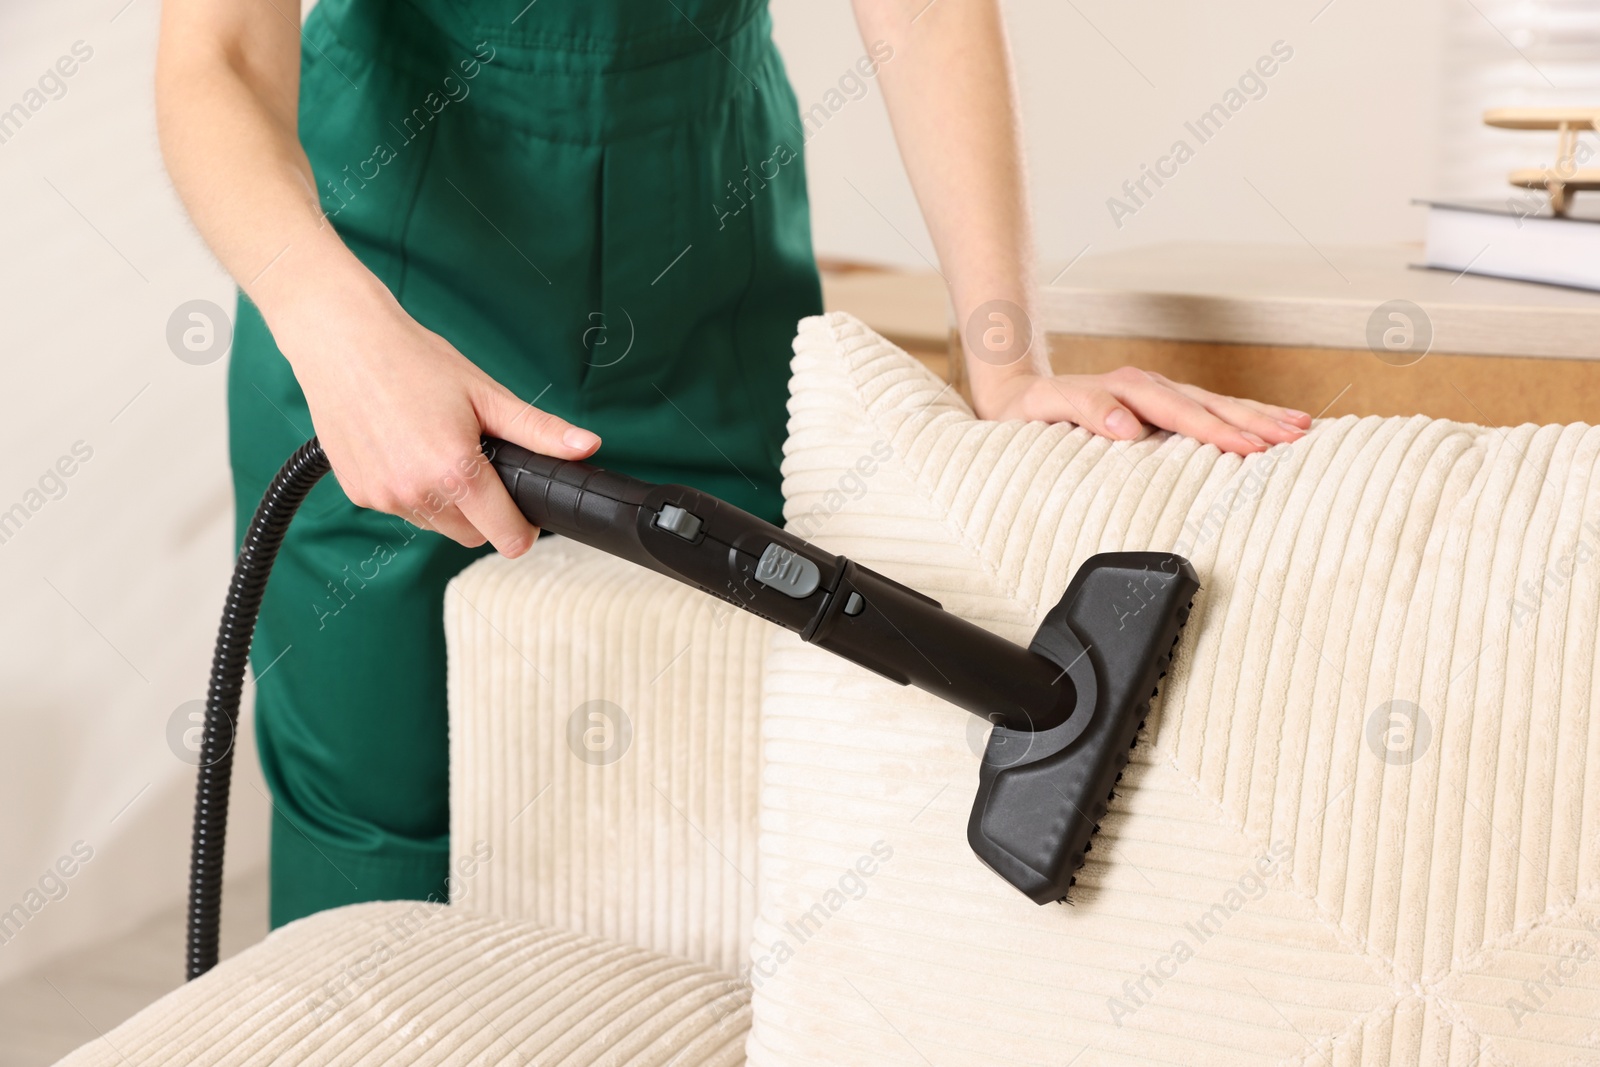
(400, 413)
(398, 410)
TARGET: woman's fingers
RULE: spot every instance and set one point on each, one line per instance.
(485, 502)
(402, 415)
(1161, 405)
(1092, 406)
(494, 515)
(1117, 404)
(1154, 402)
(449, 521)
(1279, 414)
(1237, 413)
(1267, 421)
(506, 416)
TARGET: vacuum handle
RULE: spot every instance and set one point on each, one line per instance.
(576, 500)
(831, 601)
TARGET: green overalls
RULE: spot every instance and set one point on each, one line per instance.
(601, 203)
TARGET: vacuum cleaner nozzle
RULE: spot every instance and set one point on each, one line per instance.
(1042, 794)
(1065, 709)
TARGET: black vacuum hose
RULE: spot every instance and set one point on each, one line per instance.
(1066, 708)
(261, 542)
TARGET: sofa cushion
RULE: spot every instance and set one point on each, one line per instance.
(1361, 826)
(405, 982)
(603, 748)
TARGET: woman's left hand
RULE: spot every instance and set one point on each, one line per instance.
(1119, 404)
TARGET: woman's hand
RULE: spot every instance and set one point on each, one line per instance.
(946, 77)
(1118, 404)
(400, 412)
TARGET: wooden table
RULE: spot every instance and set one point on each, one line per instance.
(1290, 325)
(1306, 328)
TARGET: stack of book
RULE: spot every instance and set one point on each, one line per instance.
(1517, 237)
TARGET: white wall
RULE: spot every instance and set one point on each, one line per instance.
(110, 594)
(1513, 53)
(1340, 143)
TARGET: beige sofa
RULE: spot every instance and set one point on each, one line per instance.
(1363, 826)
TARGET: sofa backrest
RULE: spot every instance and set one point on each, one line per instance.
(1363, 825)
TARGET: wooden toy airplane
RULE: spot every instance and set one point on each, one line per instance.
(1566, 177)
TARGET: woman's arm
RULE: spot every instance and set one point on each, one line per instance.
(398, 410)
(952, 102)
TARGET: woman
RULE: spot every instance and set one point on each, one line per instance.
(451, 218)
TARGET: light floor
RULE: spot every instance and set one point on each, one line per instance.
(47, 1013)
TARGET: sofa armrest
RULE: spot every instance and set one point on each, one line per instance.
(604, 751)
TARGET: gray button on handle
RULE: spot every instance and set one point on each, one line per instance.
(788, 572)
(675, 520)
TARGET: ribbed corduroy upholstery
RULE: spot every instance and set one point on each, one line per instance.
(1298, 869)
(414, 984)
(650, 841)
(1363, 828)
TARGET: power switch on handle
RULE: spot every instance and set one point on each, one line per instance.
(788, 572)
(676, 520)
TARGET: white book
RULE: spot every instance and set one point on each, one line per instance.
(1510, 239)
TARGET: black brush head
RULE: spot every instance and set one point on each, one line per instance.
(1041, 795)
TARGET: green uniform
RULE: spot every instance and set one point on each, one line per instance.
(602, 204)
